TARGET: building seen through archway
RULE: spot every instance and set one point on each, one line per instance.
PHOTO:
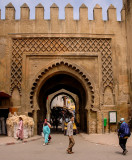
(59, 98)
(62, 107)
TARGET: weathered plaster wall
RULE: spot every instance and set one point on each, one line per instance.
(18, 32)
(128, 7)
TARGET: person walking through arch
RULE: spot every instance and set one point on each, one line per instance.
(46, 131)
(49, 125)
(70, 135)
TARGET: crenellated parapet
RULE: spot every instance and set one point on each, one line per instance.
(83, 10)
(56, 25)
(25, 12)
(112, 13)
(39, 12)
(10, 12)
(123, 14)
(97, 13)
(54, 12)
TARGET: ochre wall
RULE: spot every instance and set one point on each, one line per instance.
(25, 29)
(128, 7)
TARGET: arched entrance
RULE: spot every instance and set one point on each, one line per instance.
(62, 76)
(62, 106)
(63, 81)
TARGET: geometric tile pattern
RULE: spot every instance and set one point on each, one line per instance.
(57, 45)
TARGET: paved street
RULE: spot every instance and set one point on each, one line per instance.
(56, 150)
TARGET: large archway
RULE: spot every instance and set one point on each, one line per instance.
(62, 76)
(63, 81)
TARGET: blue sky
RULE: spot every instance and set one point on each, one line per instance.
(61, 4)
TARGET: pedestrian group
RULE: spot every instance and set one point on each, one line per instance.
(123, 134)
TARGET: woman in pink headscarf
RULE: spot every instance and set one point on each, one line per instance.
(20, 129)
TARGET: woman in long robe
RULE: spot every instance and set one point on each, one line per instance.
(20, 129)
(49, 125)
(46, 131)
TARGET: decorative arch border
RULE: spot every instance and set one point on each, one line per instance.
(74, 67)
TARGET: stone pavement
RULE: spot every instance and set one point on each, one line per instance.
(83, 150)
(104, 139)
(4, 140)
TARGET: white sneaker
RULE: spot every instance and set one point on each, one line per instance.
(44, 144)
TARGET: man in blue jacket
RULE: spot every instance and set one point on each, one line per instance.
(123, 133)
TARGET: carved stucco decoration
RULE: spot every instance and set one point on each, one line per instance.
(61, 45)
(72, 66)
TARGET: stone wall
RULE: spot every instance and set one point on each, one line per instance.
(97, 47)
(128, 7)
